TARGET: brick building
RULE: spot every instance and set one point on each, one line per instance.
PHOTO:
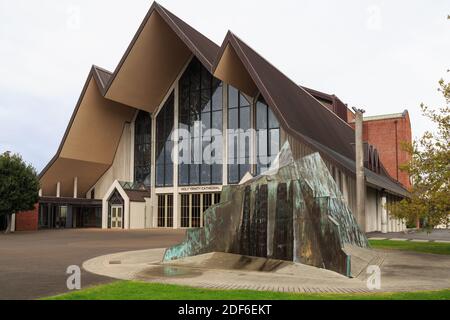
(387, 133)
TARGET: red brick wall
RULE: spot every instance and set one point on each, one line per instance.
(387, 136)
(27, 220)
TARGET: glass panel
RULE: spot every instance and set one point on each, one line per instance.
(233, 120)
(268, 137)
(183, 174)
(168, 176)
(206, 121)
(233, 173)
(206, 79)
(273, 122)
(161, 211)
(142, 148)
(205, 174)
(201, 93)
(262, 143)
(217, 120)
(207, 201)
(169, 211)
(160, 175)
(168, 149)
(195, 75)
(243, 169)
(195, 211)
(274, 147)
(194, 174)
(195, 104)
(164, 144)
(206, 100)
(216, 174)
(217, 97)
(185, 211)
(244, 118)
(261, 116)
(243, 100)
(233, 97)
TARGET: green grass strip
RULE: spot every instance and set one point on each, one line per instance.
(423, 247)
(132, 290)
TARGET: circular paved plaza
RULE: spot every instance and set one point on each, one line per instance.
(400, 271)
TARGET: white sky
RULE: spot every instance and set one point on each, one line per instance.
(383, 56)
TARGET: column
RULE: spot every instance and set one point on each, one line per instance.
(13, 223)
(176, 209)
(154, 200)
(58, 189)
(75, 187)
(360, 177)
(384, 215)
(225, 134)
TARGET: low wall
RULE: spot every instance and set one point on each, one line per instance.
(27, 220)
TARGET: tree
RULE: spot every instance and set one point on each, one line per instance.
(429, 169)
(19, 186)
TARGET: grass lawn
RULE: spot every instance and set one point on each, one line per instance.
(132, 290)
(424, 247)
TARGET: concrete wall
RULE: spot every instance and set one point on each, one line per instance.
(137, 215)
(149, 213)
(120, 169)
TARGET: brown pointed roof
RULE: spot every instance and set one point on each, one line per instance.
(297, 109)
(202, 47)
(206, 49)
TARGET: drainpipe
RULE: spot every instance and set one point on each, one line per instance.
(360, 179)
(384, 215)
(396, 148)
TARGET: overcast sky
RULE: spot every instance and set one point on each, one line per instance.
(383, 56)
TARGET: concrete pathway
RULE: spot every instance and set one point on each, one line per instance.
(400, 271)
(34, 264)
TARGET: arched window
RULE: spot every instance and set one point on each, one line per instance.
(142, 148)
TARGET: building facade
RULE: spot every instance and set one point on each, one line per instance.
(136, 153)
